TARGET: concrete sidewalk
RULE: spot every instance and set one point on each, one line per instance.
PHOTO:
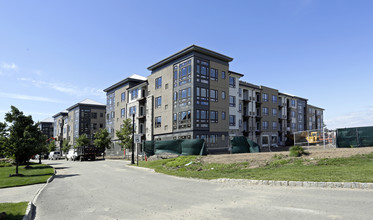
(19, 193)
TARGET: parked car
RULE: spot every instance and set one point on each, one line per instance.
(71, 155)
(54, 155)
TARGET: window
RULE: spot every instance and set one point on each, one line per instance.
(158, 122)
(94, 126)
(274, 112)
(213, 116)
(293, 103)
(175, 96)
(112, 114)
(122, 112)
(158, 83)
(94, 115)
(293, 114)
(223, 95)
(175, 118)
(101, 115)
(213, 74)
(213, 95)
(265, 97)
(300, 127)
(202, 117)
(300, 108)
(185, 93)
(265, 125)
(166, 86)
(293, 126)
(274, 99)
(274, 125)
(232, 120)
(240, 107)
(101, 125)
(223, 74)
(132, 110)
(310, 110)
(134, 94)
(123, 96)
(202, 68)
(232, 101)
(265, 140)
(222, 115)
(265, 111)
(202, 96)
(232, 82)
(158, 102)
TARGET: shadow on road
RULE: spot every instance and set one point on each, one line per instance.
(67, 175)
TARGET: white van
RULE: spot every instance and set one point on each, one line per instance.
(71, 155)
(54, 155)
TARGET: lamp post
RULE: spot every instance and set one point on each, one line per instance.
(133, 139)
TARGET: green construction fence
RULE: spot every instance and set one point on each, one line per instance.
(181, 147)
(354, 137)
(241, 144)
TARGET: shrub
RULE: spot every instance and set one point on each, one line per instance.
(297, 151)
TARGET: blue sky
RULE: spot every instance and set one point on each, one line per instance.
(54, 54)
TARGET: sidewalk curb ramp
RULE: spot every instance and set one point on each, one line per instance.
(30, 210)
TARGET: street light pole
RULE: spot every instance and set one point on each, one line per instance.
(133, 139)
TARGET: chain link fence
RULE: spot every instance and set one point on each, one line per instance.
(322, 138)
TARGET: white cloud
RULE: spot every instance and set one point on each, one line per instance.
(9, 66)
(68, 88)
(352, 119)
(27, 97)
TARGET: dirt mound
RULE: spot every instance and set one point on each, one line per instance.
(260, 159)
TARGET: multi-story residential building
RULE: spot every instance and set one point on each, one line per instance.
(59, 128)
(193, 94)
(190, 91)
(85, 117)
(314, 117)
(46, 126)
(125, 99)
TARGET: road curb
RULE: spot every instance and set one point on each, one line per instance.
(306, 184)
(30, 210)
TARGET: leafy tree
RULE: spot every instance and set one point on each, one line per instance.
(102, 140)
(125, 134)
(42, 148)
(52, 146)
(20, 136)
(65, 146)
(82, 141)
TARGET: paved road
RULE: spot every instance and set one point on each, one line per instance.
(112, 190)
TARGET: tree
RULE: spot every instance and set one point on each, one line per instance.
(102, 140)
(65, 146)
(82, 141)
(52, 146)
(125, 134)
(20, 136)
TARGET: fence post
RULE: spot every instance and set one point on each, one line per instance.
(323, 135)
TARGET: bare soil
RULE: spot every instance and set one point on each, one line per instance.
(263, 158)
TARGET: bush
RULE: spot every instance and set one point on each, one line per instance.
(297, 151)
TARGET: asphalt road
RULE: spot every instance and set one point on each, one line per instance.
(112, 190)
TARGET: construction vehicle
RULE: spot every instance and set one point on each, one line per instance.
(313, 138)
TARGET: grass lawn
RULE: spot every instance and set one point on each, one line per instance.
(38, 174)
(14, 210)
(357, 168)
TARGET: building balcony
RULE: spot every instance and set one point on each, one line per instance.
(141, 117)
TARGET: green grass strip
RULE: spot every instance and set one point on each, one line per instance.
(38, 174)
(14, 211)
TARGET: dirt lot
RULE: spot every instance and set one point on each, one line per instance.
(260, 159)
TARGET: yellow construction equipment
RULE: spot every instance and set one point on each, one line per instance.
(313, 138)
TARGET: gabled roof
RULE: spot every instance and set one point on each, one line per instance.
(187, 50)
(87, 102)
(133, 78)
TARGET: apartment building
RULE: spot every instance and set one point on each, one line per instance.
(84, 117)
(46, 127)
(190, 92)
(59, 128)
(193, 94)
(314, 116)
(125, 99)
